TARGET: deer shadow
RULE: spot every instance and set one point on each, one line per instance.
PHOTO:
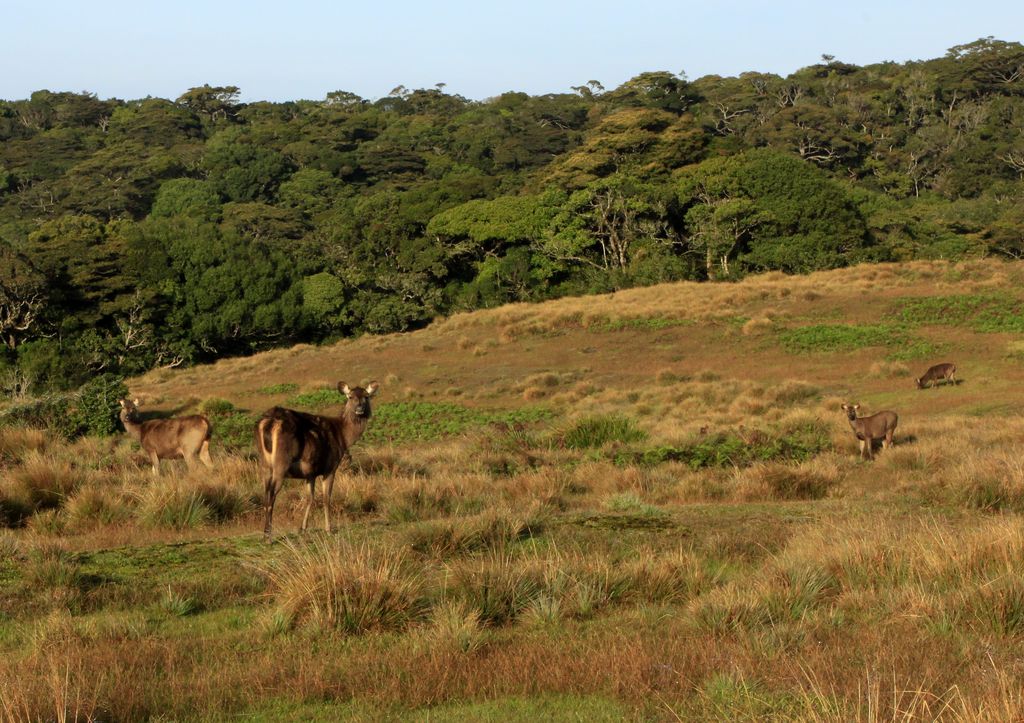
(902, 440)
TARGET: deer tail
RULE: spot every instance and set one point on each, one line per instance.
(266, 455)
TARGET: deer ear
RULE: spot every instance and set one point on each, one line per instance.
(344, 389)
(121, 402)
(371, 388)
(136, 402)
(845, 407)
(856, 407)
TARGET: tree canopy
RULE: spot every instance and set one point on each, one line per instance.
(153, 232)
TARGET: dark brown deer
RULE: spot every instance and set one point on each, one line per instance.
(881, 425)
(296, 445)
(185, 438)
(944, 372)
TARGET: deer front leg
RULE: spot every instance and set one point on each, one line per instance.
(155, 460)
(309, 504)
(328, 490)
(204, 454)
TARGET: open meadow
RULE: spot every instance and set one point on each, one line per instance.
(646, 505)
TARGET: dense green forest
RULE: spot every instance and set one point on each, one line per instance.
(154, 232)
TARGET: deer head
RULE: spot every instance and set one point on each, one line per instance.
(129, 410)
(851, 411)
(358, 398)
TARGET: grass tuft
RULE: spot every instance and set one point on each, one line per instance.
(353, 588)
(597, 431)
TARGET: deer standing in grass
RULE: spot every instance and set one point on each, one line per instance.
(185, 438)
(881, 425)
(944, 372)
(296, 445)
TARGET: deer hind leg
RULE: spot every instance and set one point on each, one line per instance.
(155, 460)
(271, 487)
(311, 481)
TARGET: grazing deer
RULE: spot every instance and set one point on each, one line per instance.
(944, 372)
(174, 438)
(297, 445)
(881, 426)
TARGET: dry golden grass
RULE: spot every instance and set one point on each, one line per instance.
(502, 561)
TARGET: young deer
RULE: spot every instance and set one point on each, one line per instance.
(944, 372)
(881, 426)
(174, 438)
(296, 445)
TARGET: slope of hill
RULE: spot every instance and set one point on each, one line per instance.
(639, 505)
(849, 331)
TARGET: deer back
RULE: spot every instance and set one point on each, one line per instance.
(171, 437)
(939, 371)
(877, 425)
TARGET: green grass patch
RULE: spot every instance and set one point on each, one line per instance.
(980, 312)
(645, 323)
(849, 337)
(547, 707)
(318, 399)
(399, 422)
(282, 388)
(841, 337)
(796, 444)
(915, 348)
(232, 428)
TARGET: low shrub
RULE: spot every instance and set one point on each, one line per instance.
(92, 410)
(52, 413)
(216, 406)
(96, 408)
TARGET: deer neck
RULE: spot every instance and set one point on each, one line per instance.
(133, 428)
(352, 427)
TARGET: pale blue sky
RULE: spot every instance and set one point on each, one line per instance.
(305, 48)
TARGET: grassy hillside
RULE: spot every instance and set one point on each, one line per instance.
(645, 505)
